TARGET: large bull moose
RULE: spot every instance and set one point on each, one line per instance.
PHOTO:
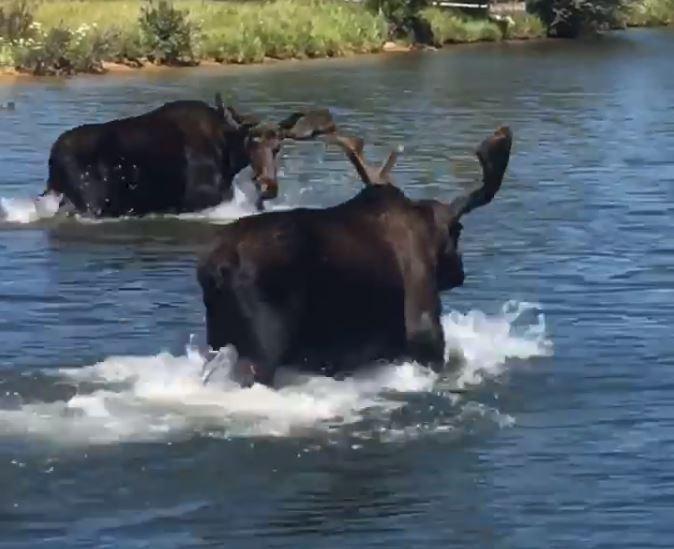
(329, 289)
(180, 157)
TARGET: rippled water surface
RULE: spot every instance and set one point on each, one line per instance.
(565, 433)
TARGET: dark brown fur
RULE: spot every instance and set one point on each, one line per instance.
(181, 157)
(330, 289)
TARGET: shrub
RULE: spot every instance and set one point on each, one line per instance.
(288, 29)
(522, 26)
(125, 45)
(650, 13)
(87, 48)
(16, 21)
(6, 54)
(167, 34)
(570, 18)
(450, 26)
(402, 15)
(61, 51)
(44, 54)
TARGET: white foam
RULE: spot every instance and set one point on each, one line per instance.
(162, 397)
(28, 210)
(241, 205)
(485, 342)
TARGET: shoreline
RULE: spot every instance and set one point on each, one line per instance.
(116, 70)
(12, 77)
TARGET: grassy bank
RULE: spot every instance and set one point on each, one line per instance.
(70, 36)
(75, 36)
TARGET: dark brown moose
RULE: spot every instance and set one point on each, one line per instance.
(181, 157)
(330, 289)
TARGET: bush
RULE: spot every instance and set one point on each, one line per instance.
(288, 29)
(650, 13)
(168, 35)
(570, 18)
(87, 48)
(6, 54)
(60, 51)
(16, 21)
(523, 26)
(125, 46)
(402, 15)
(453, 27)
(44, 54)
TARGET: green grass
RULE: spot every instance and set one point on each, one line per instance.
(233, 32)
(451, 27)
(78, 35)
(524, 26)
(285, 29)
(244, 31)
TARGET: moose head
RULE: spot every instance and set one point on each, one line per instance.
(260, 143)
(493, 155)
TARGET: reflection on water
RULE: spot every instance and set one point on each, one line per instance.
(564, 436)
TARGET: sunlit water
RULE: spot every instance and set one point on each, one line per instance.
(562, 432)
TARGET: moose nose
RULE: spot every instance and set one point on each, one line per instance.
(268, 188)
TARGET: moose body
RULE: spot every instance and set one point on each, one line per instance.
(330, 289)
(180, 157)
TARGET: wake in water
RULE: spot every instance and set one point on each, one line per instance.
(162, 397)
(22, 211)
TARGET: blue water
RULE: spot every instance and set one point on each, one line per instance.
(565, 436)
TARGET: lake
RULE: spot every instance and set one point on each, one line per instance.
(565, 433)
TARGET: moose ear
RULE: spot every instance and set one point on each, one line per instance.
(307, 124)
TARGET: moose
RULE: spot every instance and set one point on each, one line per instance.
(331, 289)
(180, 157)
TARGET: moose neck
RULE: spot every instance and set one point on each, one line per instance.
(236, 155)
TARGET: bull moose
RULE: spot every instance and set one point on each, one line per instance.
(330, 289)
(180, 157)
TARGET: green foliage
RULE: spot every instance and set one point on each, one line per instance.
(167, 34)
(523, 26)
(60, 50)
(283, 29)
(16, 21)
(125, 45)
(451, 27)
(65, 36)
(649, 13)
(570, 18)
(402, 15)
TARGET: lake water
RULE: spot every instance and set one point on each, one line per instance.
(566, 433)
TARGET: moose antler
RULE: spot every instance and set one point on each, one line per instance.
(353, 146)
(493, 154)
(234, 119)
(307, 124)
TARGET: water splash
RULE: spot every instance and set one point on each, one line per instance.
(28, 210)
(485, 342)
(152, 398)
